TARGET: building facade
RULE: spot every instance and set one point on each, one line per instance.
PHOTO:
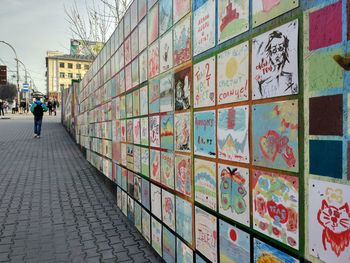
(61, 69)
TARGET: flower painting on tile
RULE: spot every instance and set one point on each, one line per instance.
(183, 252)
(234, 244)
(137, 215)
(153, 60)
(154, 93)
(144, 131)
(233, 18)
(134, 44)
(182, 41)
(233, 134)
(233, 74)
(181, 8)
(128, 80)
(136, 130)
(167, 169)
(137, 188)
(166, 52)
(169, 246)
(154, 130)
(168, 201)
(275, 62)
(143, 34)
(205, 183)
(130, 130)
(329, 221)
(275, 135)
(157, 236)
(155, 165)
(205, 133)
(144, 100)
(165, 15)
(204, 32)
(233, 186)
(136, 103)
(183, 174)
(167, 131)
(127, 50)
(182, 131)
(145, 161)
(145, 198)
(142, 7)
(204, 83)
(146, 225)
(153, 24)
(184, 219)
(135, 72)
(266, 253)
(206, 234)
(156, 201)
(265, 10)
(137, 159)
(276, 207)
(128, 101)
(182, 83)
(166, 93)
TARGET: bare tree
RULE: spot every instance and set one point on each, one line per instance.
(96, 22)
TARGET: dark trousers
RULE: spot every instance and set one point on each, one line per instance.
(2, 110)
(37, 124)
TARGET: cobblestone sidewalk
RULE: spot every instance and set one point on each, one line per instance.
(53, 205)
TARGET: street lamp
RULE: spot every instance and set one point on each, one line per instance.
(18, 97)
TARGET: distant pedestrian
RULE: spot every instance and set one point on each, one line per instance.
(6, 105)
(23, 106)
(2, 107)
(49, 105)
(38, 108)
(54, 106)
(13, 107)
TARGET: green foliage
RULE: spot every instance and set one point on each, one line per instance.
(8, 91)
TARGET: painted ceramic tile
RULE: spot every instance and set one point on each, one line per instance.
(184, 219)
(233, 74)
(182, 41)
(204, 18)
(136, 103)
(275, 62)
(154, 131)
(234, 244)
(183, 253)
(266, 253)
(154, 93)
(166, 51)
(135, 72)
(134, 43)
(143, 66)
(166, 93)
(151, 3)
(146, 225)
(182, 83)
(275, 135)
(181, 8)
(137, 188)
(157, 236)
(123, 130)
(127, 25)
(143, 34)
(204, 83)
(136, 130)
(119, 198)
(275, 206)
(145, 161)
(206, 234)
(131, 209)
(168, 209)
(167, 169)
(142, 7)
(183, 174)
(120, 85)
(144, 131)
(182, 131)
(153, 60)
(153, 24)
(130, 183)
(205, 183)
(123, 154)
(167, 131)
(233, 134)
(233, 18)
(137, 216)
(165, 15)
(168, 246)
(144, 100)
(122, 56)
(233, 186)
(137, 159)
(128, 101)
(145, 198)
(133, 15)
(130, 130)
(120, 30)
(124, 179)
(125, 203)
(265, 10)
(127, 50)
(156, 201)
(205, 133)
(329, 217)
(155, 165)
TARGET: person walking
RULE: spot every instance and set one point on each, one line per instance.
(2, 107)
(54, 106)
(13, 106)
(49, 105)
(38, 108)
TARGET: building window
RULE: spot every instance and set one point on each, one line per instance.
(70, 75)
(78, 76)
(61, 65)
(78, 66)
(61, 74)
(70, 65)
(86, 67)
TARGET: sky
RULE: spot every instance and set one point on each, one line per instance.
(33, 27)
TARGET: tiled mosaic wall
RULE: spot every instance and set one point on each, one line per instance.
(224, 125)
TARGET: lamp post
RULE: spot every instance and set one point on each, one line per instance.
(25, 79)
(14, 51)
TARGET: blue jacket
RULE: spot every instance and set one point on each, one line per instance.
(38, 103)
